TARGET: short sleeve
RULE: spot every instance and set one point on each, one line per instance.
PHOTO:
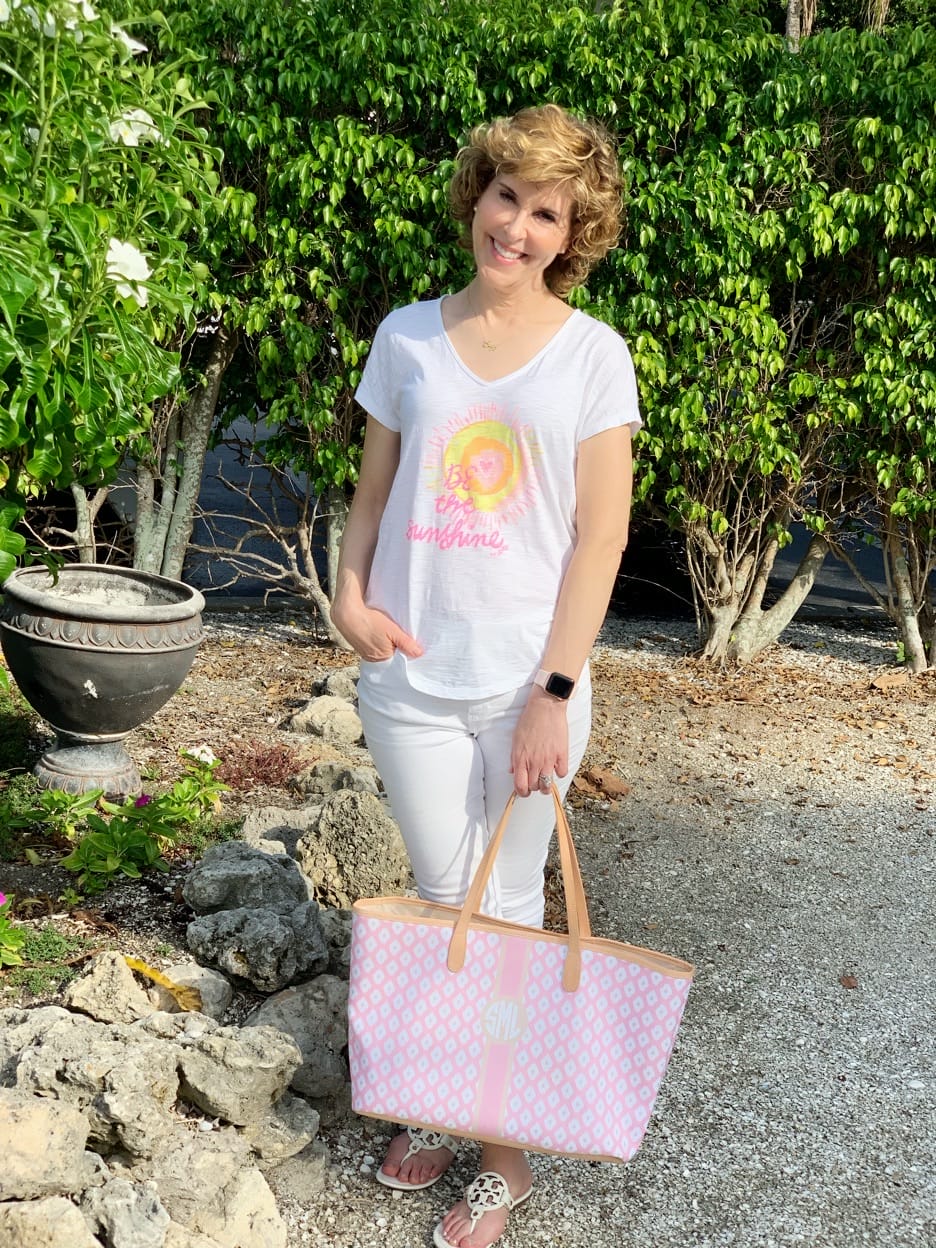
(610, 396)
(377, 393)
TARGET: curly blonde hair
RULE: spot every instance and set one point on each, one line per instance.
(547, 144)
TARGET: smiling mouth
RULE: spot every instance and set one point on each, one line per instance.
(504, 253)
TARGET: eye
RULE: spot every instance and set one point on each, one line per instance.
(548, 216)
(507, 194)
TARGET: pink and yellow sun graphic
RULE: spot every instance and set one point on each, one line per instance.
(487, 462)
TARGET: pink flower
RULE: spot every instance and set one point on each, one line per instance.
(143, 800)
(2, 899)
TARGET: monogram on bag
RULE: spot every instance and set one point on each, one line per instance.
(500, 1032)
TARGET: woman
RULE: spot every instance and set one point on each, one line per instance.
(482, 545)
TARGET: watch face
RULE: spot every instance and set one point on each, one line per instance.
(559, 686)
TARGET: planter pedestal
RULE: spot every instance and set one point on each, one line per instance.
(96, 652)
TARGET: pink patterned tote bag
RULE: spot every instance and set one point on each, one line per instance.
(510, 1034)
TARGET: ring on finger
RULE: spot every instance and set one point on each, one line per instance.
(545, 782)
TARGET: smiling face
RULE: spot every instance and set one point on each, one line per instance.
(518, 229)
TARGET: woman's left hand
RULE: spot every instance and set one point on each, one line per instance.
(540, 743)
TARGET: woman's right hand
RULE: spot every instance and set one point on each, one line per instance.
(372, 634)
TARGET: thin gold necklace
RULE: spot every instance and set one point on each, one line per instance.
(486, 344)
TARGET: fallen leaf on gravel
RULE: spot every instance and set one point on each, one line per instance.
(848, 981)
(607, 781)
(890, 680)
(187, 998)
(93, 919)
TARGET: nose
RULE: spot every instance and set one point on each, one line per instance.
(516, 226)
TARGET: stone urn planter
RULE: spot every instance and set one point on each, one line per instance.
(96, 652)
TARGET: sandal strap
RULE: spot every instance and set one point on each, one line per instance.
(424, 1140)
(489, 1191)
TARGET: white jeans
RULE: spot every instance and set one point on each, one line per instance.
(444, 763)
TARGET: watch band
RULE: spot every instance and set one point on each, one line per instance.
(555, 684)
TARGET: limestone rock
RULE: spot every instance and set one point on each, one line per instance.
(315, 1015)
(273, 847)
(328, 776)
(237, 1074)
(333, 719)
(336, 927)
(304, 1175)
(21, 1028)
(192, 1171)
(247, 1217)
(124, 1080)
(127, 1215)
(353, 850)
(280, 823)
(268, 950)
(42, 1146)
(290, 1125)
(343, 683)
(108, 991)
(213, 989)
(178, 1236)
(236, 876)
(181, 1028)
(51, 1223)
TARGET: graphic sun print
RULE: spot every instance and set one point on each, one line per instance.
(480, 470)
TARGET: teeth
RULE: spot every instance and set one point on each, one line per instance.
(502, 251)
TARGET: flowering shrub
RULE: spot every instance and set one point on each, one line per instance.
(103, 181)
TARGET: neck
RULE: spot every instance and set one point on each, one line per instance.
(507, 306)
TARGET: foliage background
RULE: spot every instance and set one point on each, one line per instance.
(96, 146)
(774, 281)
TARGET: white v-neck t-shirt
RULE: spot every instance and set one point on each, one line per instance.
(479, 526)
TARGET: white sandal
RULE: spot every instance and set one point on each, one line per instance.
(421, 1141)
(489, 1191)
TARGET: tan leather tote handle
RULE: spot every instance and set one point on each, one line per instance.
(572, 886)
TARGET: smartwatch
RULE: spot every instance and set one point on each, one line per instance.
(555, 684)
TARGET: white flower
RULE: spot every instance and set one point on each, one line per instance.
(133, 46)
(86, 11)
(133, 126)
(31, 132)
(126, 265)
(202, 754)
(5, 11)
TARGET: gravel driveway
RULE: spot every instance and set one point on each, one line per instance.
(779, 834)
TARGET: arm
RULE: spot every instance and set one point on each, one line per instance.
(371, 633)
(603, 484)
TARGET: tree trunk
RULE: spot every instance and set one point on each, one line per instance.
(794, 15)
(86, 514)
(757, 629)
(875, 14)
(165, 515)
(907, 601)
(721, 622)
(907, 619)
(152, 516)
(312, 586)
(335, 519)
(197, 420)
